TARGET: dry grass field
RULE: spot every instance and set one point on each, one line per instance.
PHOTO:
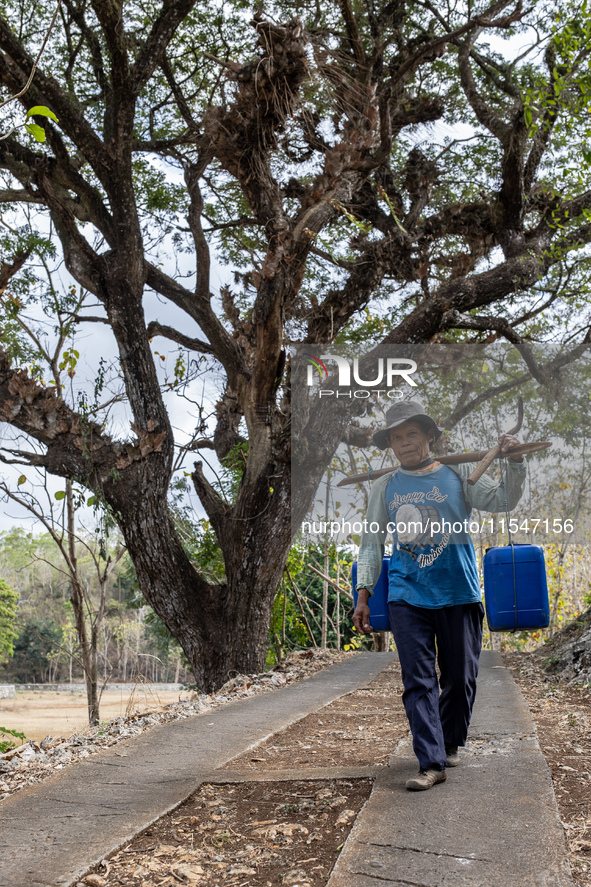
(41, 713)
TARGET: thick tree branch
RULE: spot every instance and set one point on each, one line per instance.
(76, 446)
(217, 509)
(341, 304)
(151, 55)
(9, 269)
(353, 33)
(514, 275)
(222, 344)
(87, 205)
(158, 329)
(455, 320)
(86, 266)
(12, 195)
(193, 172)
(166, 146)
(469, 220)
(110, 15)
(485, 115)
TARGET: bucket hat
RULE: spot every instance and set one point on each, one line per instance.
(405, 411)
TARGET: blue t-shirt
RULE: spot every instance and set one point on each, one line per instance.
(433, 564)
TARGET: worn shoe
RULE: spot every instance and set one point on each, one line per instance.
(452, 755)
(426, 779)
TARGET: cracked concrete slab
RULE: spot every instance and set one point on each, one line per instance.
(54, 831)
(493, 822)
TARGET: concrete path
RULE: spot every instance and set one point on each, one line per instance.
(493, 823)
(54, 831)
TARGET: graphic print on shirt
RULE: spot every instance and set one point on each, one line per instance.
(433, 563)
(415, 521)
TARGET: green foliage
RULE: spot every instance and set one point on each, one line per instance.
(8, 744)
(34, 129)
(358, 641)
(70, 358)
(37, 638)
(8, 612)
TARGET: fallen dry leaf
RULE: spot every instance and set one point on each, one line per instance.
(295, 878)
(345, 817)
(191, 873)
(241, 870)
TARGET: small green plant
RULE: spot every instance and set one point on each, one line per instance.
(102, 728)
(8, 744)
(357, 641)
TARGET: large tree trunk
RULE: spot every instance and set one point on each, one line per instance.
(223, 629)
(239, 631)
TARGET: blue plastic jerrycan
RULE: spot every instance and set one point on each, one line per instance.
(378, 602)
(515, 588)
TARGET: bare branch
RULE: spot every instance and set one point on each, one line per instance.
(222, 344)
(335, 585)
(11, 195)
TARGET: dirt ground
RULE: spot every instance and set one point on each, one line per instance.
(562, 715)
(40, 713)
(257, 834)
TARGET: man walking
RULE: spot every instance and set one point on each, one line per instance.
(433, 588)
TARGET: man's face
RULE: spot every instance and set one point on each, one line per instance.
(410, 443)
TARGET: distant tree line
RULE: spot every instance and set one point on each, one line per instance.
(45, 645)
(38, 629)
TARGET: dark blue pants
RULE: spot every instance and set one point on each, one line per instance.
(438, 713)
